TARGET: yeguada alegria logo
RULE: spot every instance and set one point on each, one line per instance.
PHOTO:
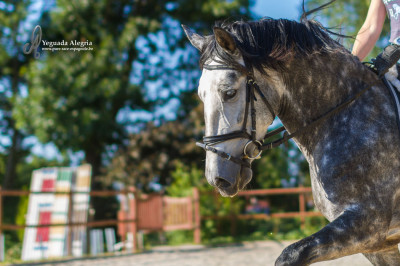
(36, 37)
(63, 45)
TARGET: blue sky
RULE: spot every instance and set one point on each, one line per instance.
(289, 9)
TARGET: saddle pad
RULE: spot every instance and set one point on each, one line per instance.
(393, 85)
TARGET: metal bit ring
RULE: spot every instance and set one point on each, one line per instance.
(258, 143)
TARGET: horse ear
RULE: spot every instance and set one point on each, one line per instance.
(225, 40)
(195, 39)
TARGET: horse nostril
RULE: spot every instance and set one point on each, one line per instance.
(222, 183)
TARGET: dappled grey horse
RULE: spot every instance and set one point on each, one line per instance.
(342, 117)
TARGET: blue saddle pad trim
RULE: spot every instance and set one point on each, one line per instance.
(395, 97)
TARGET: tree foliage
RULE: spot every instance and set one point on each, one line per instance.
(347, 17)
(13, 15)
(282, 166)
(76, 99)
(154, 152)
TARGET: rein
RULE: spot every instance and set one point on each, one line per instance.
(251, 88)
(286, 137)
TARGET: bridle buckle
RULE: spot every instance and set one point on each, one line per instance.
(258, 144)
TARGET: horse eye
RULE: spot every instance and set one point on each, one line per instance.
(229, 94)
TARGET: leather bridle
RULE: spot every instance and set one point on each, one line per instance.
(251, 89)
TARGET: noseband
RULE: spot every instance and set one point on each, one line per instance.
(251, 88)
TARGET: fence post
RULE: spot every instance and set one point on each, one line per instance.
(2, 247)
(233, 217)
(217, 203)
(1, 211)
(69, 235)
(197, 225)
(302, 208)
(122, 216)
(2, 242)
(133, 215)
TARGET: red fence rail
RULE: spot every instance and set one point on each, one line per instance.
(302, 213)
(145, 213)
(161, 213)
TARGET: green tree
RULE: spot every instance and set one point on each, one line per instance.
(155, 152)
(13, 16)
(184, 178)
(271, 169)
(347, 18)
(75, 99)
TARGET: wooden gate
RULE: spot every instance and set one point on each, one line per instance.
(178, 213)
(150, 213)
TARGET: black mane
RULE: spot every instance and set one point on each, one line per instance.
(269, 43)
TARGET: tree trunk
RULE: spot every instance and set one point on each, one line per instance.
(93, 157)
(12, 159)
(16, 140)
(105, 207)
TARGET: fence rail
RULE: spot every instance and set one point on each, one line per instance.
(103, 223)
(100, 193)
(158, 213)
(302, 213)
(136, 216)
(301, 191)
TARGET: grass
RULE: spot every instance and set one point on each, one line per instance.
(217, 233)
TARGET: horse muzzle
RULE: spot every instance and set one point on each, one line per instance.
(226, 176)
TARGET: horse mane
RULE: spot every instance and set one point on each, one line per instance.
(269, 43)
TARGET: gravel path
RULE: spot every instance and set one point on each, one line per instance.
(247, 254)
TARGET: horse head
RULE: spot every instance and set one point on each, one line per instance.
(232, 126)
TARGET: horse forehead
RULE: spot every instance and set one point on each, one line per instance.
(211, 80)
(208, 82)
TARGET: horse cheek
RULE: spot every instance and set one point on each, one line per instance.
(239, 118)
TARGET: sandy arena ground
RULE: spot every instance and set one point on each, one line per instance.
(246, 254)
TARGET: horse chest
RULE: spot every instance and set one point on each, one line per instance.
(327, 207)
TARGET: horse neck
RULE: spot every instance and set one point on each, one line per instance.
(317, 84)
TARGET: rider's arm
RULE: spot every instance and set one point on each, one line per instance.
(370, 30)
